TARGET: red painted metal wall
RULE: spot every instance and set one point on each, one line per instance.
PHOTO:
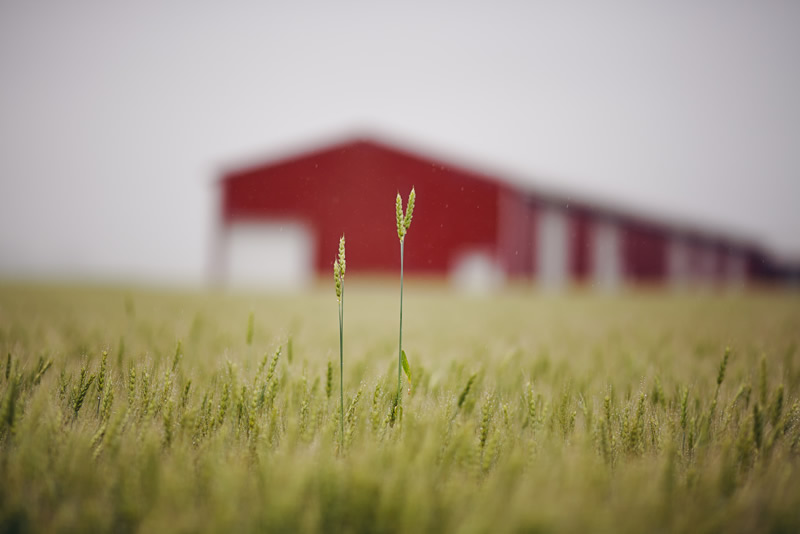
(515, 233)
(580, 243)
(351, 189)
(644, 252)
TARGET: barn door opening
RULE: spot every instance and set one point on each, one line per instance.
(269, 255)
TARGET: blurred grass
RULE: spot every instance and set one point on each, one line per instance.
(535, 446)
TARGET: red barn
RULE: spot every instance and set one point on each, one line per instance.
(282, 220)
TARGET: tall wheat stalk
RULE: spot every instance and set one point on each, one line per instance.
(339, 267)
(403, 224)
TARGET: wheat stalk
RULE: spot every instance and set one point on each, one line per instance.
(339, 268)
(403, 224)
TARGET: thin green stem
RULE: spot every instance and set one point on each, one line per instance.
(400, 341)
(341, 372)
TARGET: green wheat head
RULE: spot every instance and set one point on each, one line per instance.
(339, 267)
(342, 263)
(337, 278)
(404, 220)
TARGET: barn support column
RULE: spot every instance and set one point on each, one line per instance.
(735, 270)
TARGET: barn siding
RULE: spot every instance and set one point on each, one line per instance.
(515, 239)
(644, 253)
(351, 189)
(678, 262)
(703, 262)
(735, 267)
(580, 245)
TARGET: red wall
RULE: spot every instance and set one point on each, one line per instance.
(351, 189)
(515, 233)
(579, 243)
(644, 252)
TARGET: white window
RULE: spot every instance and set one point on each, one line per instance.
(476, 272)
(269, 255)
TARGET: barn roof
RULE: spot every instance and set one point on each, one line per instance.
(534, 190)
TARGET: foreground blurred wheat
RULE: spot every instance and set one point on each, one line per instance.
(624, 414)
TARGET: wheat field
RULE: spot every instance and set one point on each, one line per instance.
(135, 410)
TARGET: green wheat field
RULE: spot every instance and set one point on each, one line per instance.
(157, 411)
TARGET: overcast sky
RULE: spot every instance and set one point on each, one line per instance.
(115, 119)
